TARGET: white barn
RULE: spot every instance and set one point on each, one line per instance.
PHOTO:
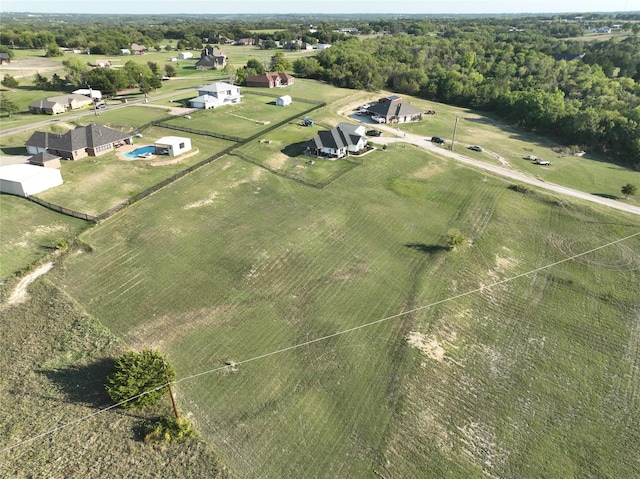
(172, 145)
(185, 55)
(284, 100)
(25, 180)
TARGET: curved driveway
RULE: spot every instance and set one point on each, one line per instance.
(425, 143)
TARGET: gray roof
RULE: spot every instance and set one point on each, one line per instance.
(389, 109)
(90, 136)
(341, 136)
(42, 158)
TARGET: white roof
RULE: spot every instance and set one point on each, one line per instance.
(217, 87)
(171, 140)
(205, 99)
(24, 172)
(285, 98)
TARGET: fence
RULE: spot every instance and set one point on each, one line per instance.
(61, 209)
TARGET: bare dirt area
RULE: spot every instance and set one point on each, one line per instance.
(20, 293)
(29, 67)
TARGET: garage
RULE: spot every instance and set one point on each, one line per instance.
(26, 180)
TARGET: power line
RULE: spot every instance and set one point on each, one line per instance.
(322, 338)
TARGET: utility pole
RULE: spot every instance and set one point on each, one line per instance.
(93, 102)
(173, 400)
(455, 129)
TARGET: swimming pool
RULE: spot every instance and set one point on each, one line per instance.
(143, 150)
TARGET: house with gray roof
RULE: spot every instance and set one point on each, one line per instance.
(211, 58)
(59, 104)
(215, 95)
(90, 140)
(340, 141)
(392, 110)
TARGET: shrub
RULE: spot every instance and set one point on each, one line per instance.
(169, 429)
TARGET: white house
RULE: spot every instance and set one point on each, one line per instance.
(220, 94)
(340, 141)
(185, 55)
(323, 46)
(284, 100)
(96, 95)
(25, 180)
(125, 51)
(172, 145)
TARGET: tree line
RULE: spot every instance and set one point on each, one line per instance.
(593, 102)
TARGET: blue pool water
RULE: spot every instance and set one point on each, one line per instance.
(139, 151)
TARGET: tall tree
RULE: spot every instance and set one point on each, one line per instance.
(7, 106)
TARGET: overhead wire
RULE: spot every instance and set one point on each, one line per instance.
(319, 339)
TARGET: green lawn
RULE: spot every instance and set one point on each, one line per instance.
(233, 262)
(93, 185)
(255, 113)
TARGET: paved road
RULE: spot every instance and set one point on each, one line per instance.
(393, 136)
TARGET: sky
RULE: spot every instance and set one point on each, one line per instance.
(318, 6)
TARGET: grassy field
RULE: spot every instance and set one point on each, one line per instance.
(255, 113)
(486, 384)
(95, 184)
(29, 232)
(531, 377)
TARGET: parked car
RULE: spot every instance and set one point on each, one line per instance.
(437, 139)
(542, 162)
(476, 148)
(531, 157)
(101, 106)
(374, 133)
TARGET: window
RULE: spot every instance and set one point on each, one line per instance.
(181, 146)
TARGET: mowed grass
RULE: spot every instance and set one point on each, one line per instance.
(93, 185)
(233, 264)
(592, 173)
(254, 114)
(29, 232)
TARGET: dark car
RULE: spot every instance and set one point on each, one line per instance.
(374, 133)
(437, 139)
(476, 148)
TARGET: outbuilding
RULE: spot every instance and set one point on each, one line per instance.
(172, 145)
(25, 180)
(284, 100)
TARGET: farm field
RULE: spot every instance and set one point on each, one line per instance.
(233, 263)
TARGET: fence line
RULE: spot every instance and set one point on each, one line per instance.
(61, 209)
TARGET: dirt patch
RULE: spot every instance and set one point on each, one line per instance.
(427, 345)
(277, 161)
(429, 171)
(207, 201)
(19, 294)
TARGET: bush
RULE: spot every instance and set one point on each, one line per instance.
(169, 429)
(521, 188)
(139, 375)
(455, 239)
(9, 82)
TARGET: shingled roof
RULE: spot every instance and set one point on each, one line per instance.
(90, 136)
(388, 109)
(342, 136)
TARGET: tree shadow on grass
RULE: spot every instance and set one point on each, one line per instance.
(294, 149)
(605, 195)
(427, 248)
(84, 384)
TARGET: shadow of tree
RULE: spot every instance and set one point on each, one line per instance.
(605, 195)
(427, 248)
(84, 384)
(294, 149)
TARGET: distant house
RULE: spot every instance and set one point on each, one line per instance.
(569, 57)
(172, 145)
(215, 95)
(393, 110)
(95, 95)
(249, 41)
(138, 49)
(338, 142)
(59, 104)
(284, 100)
(125, 51)
(103, 63)
(211, 58)
(45, 159)
(5, 59)
(323, 46)
(90, 140)
(185, 55)
(271, 80)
